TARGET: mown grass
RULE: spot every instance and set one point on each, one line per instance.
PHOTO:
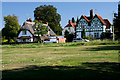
(38, 45)
(93, 60)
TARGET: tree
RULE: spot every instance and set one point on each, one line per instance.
(73, 20)
(116, 27)
(83, 32)
(69, 37)
(11, 28)
(103, 35)
(116, 23)
(40, 30)
(66, 35)
(49, 14)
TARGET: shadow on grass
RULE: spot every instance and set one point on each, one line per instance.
(87, 71)
(99, 48)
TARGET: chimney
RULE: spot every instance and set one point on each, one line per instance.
(91, 13)
(69, 21)
(77, 19)
(30, 19)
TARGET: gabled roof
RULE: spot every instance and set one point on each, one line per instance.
(100, 18)
(90, 18)
(71, 24)
(108, 24)
(107, 21)
(30, 26)
(51, 31)
(85, 17)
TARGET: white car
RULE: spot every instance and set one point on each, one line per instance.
(49, 42)
(80, 40)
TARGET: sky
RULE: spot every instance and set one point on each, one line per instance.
(67, 10)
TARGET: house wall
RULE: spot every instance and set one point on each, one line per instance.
(71, 30)
(26, 40)
(95, 28)
(78, 34)
(23, 35)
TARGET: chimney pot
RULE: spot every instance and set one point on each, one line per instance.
(69, 21)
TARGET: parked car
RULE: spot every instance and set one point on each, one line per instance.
(79, 40)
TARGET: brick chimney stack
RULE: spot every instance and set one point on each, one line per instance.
(69, 21)
(91, 13)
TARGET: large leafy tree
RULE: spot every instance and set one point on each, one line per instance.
(49, 14)
(11, 28)
(40, 30)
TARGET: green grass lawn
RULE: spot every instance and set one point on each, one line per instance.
(95, 62)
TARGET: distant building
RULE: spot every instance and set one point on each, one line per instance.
(26, 32)
(70, 27)
(94, 25)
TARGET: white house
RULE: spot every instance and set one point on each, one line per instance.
(94, 25)
(70, 27)
(26, 32)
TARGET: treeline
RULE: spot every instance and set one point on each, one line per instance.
(42, 14)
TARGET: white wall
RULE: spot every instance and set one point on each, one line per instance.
(69, 29)
(104, 27)
(27, 34)
(27, 40)
(78, 35)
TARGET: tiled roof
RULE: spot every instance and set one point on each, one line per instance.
(100, 18)
(71, 24)
(108, 24)
(86, 18)
(103, 21)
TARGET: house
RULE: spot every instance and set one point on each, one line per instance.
(94, 25)
(26, 32)
(70, 27)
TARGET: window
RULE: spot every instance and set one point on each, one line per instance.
(96, 35)
(24, 32)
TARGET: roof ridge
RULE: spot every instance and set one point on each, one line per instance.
(101, 19)
(86, 18)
